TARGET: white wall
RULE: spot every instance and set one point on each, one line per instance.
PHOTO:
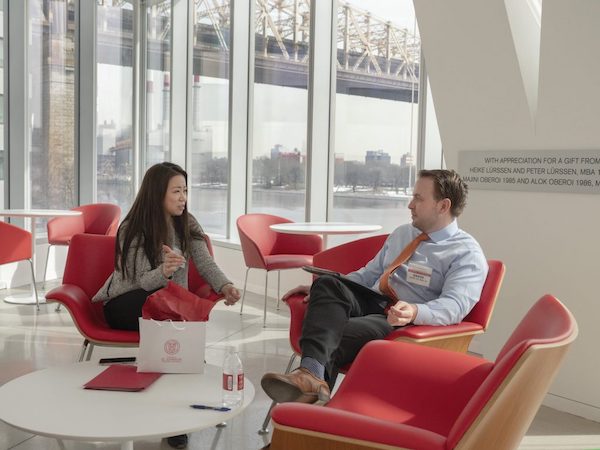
(483, 102)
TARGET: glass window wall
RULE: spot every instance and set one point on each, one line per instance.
(377, 58)
(208, 168)
(114, 102)
(3, 168)
(376, 112)
(158, 81)
(282, 38)
(51, 104)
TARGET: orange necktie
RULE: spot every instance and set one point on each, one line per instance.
(404, 255)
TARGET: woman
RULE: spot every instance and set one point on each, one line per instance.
(154, 242)
(153, 245)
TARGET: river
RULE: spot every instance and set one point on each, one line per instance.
(209, 206)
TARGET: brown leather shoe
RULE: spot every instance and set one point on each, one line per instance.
(297, 386)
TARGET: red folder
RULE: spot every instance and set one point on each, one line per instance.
(122, 377)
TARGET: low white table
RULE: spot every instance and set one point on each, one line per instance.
(53, 403)
(324, 228)
(33, 214)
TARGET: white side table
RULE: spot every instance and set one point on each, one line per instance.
(33, 214)
(324, 228)
(53, 403)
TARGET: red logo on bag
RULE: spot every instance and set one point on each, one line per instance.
(172, 347)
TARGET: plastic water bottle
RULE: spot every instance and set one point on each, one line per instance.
(233, 379)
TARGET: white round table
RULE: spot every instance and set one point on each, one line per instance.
(53, 403)
(33, 214)
(324, 228)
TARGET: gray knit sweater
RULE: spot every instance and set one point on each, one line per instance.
(151, 279)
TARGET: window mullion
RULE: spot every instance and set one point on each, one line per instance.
(320, 109)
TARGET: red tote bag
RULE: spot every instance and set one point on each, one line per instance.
(174, 302)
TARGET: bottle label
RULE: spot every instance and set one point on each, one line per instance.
(240, 381)
(228, 382)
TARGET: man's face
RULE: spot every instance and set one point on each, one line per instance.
(428, 214)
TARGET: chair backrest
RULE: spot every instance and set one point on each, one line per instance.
(196, 283)
(100, 218)
(16, 243)
(351, 256)
(90, 261)
(95, 218)
(258, 240)
(482, 311)
(500, 412)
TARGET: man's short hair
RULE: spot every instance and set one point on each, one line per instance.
(448, 184)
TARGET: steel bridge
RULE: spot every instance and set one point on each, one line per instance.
(375, 57)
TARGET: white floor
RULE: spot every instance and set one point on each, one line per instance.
(30, 341)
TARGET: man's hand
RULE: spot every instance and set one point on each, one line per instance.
(401, 313)
(302, 289)
(232, 295)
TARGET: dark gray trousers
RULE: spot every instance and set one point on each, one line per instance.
(342, 316)
(123, 312)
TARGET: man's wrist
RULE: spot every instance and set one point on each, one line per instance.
(415, 309)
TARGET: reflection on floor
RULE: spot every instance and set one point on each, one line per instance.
(30, 341)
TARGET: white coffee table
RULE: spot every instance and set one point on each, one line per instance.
(52, 402)
(33, 214)
(324, 228)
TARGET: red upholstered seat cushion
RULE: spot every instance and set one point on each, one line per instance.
(278, 262)
(414, 392)
(88, 316)
(355, 426)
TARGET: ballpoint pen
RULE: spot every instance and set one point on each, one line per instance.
(213, 408)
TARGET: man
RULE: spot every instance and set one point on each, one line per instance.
(427, 273)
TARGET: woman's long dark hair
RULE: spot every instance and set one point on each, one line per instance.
(146, 220)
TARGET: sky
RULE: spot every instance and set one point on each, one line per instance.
(399, 12)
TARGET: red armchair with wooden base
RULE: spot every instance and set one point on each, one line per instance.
(90, 261)
(95, 218)
(16, 246)
(458, 337)
(353, 255)
(398, 395)
(268, 250)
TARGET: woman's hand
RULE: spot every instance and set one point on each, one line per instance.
(171, 261)
(232, 295)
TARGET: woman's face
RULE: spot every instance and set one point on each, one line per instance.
(176, 196)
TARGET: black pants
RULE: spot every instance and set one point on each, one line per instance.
(123, 312)
(341, 318)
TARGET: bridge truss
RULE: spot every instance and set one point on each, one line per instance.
(366, 44)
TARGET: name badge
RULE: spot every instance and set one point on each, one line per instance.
(418, 274)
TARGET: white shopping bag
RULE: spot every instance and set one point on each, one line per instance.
(171, 347)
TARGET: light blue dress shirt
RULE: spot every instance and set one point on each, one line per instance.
(458, 267)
